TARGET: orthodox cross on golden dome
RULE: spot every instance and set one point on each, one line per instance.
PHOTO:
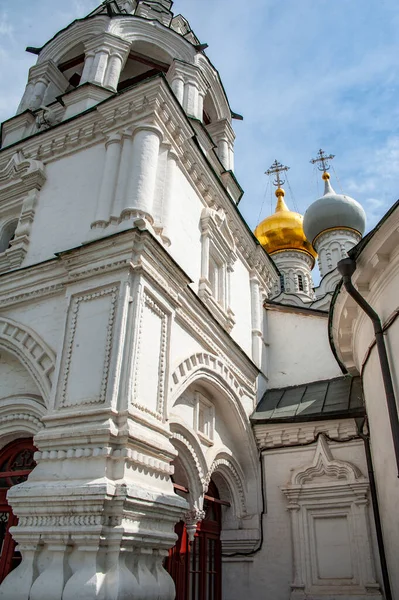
(323, 159)
(276, 169)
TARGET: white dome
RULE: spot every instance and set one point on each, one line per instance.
(331, 211)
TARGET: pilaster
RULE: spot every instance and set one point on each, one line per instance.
(190, 86)
(142, 178)
(223, 135)
(44, 84)
(105, 55)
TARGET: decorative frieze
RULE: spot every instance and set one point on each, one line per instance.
(276, 435)
(149, 463)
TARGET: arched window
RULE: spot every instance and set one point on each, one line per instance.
(16, 462)
(71, 65)
(7, 234)
(300, 282)
(145, 60)
(282, 283)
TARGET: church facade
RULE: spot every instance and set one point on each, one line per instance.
(182, 413)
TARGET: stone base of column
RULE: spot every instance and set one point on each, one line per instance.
(99, 540)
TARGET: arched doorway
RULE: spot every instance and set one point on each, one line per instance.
(196, 567)
(16, 462)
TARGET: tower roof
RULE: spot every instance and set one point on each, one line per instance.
(283, 230)
(333, 211)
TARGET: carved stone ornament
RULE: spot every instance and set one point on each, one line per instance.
(191, 519)
(328, 505)
(20, 182)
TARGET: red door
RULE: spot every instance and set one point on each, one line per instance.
(196, 567)
(16, 462)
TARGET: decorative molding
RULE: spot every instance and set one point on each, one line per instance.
(15, 418)
(225, 466)
(194, 455)
(19, 175)
(20, 182)
(149, 302)
(324, 465)
(194, 322)
(281, 435)
(143, 461)
(200, 361)
(191, 519)
(31, 351)
(330, 492)
(76, 303)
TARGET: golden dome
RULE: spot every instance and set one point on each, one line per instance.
(283, 230)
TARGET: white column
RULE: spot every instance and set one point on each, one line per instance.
(51, 581)
(205, 257)
(108, 181)
(15, 587)
(89, 58)
(142, 180)
(224, 153)
(124, 172)
(231, 156)
(99, 67)
(23, 105)
(200, 109)
(38, 93)
(113, 71)
(190, 101)
(256, 321)
(178, 88)
(168, 197)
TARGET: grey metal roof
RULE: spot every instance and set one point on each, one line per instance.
(333, 210)
(329, 399)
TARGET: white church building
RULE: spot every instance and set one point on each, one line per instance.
(183, 414)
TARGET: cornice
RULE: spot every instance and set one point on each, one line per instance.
(27, 284)
(281, 436)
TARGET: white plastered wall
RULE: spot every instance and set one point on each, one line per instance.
(67, 204)
(299, 350)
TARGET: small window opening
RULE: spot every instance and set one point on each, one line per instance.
(300, 283)
(282, 283)
(7, 235)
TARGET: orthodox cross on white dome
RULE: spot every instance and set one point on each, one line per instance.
(276, 169)
(323, 159)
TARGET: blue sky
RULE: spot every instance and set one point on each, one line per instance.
(304, 74)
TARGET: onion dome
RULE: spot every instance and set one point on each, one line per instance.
(333, 211)
(283, 230)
